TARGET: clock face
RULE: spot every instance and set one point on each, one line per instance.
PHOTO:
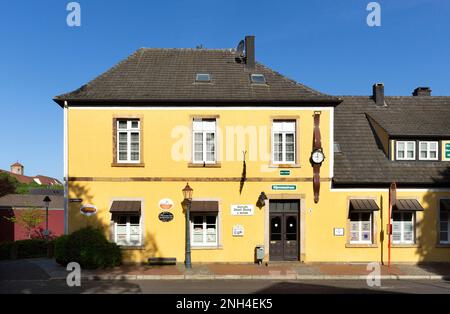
(317, 157)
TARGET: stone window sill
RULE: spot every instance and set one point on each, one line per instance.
(284, 166)
(356, 245)
(206, 247)
(126, 165)
(195, 165)
(443, 245)
(405, 246)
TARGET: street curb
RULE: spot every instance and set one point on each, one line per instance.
(254, 277)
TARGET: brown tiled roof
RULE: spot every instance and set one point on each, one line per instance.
(362, 160)
(168, 76)
(27, 200)
(48, 180)
(16, 164)
(19, 177)
(27, 180)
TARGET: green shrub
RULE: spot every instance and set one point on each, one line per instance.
(61, 252)
(24, 249)
(88, 247)
(31, 248)
(5, 250)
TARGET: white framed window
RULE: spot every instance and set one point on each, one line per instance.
(283, 142)
(444, 225)
(204, 141)
(361, 228)
(128, 141)
(428, 150)
(406, 150)
(403, 224)
(204, 230)
(127, 230)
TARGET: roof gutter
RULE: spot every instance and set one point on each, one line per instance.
(334, 101)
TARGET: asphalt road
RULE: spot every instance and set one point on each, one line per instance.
(43, 286)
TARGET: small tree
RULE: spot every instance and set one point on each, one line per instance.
(30, 219)
(8, 184)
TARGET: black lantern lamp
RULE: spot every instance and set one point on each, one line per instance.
(262, 197)
(187, 192)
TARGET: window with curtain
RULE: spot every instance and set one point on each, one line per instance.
(361, 228)
(204, 230)
(127, 230)
(403, 228)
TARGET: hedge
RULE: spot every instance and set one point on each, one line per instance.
(25, 249)
(88, 247)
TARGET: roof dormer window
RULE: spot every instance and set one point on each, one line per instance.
(406, 150)
(258, 79)
(203, 78)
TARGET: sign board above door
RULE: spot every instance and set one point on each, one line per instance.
(284, 187)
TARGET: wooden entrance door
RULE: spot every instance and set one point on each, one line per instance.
(284, 230)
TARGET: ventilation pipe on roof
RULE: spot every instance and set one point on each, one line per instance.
(378, 94)
(422, 91)
(250, 52)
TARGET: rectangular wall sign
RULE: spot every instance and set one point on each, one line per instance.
(242, 210)
(284, 187)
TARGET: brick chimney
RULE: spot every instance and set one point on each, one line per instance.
(17, 168)
(378, 94)
(250, 52)
(422, 91)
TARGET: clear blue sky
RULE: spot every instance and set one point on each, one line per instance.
(324, 44)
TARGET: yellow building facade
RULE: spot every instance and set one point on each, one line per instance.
(253, 176)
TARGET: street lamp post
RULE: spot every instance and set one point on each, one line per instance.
(187, 194)
(47, 201)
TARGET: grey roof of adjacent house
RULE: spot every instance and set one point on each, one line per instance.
(362, 160)
(168, 76)
(27, 200)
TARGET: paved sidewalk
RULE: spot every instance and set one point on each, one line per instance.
(273, 271)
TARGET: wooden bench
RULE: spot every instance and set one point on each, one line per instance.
(162, 261)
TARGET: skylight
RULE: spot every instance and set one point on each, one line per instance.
(258, 79)
(203, 77)
(337, 148)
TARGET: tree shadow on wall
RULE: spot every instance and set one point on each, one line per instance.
(103, 220)
(434, 258)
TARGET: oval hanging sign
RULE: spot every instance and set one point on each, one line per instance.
(166, 204)
(165, 216)
(88, 210)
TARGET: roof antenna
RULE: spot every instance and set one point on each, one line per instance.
(240, 51)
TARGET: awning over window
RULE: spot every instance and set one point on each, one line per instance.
(132, 207)
(445, 205)
(205, 206)
(363, 205)
(408, 205)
